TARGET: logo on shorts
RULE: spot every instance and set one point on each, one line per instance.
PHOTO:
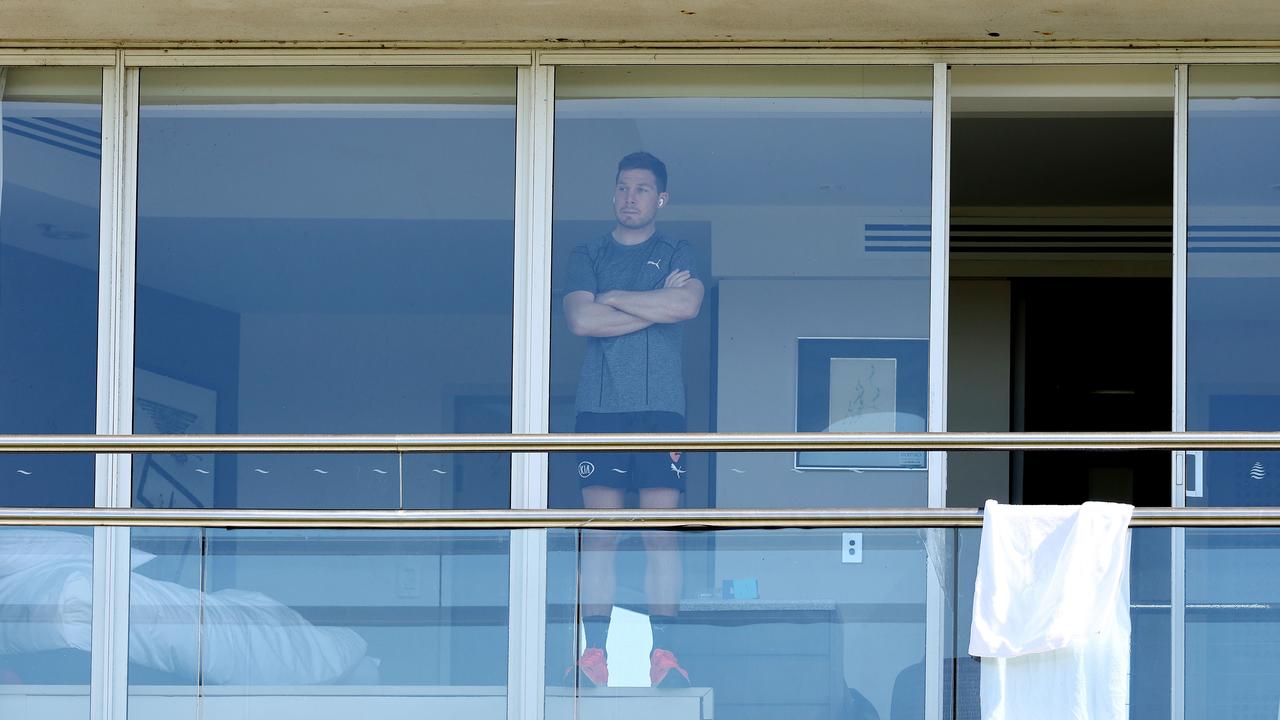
(676, 469)
(585, 469)
(675, 456)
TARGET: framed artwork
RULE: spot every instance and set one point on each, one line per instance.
(166, 406)
(851, 385)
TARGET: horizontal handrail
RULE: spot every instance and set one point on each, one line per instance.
(685, 519)
(568, 442)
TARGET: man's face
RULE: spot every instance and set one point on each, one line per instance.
(636, 198)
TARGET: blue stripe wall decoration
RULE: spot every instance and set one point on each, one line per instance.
(896, 238)
(1233, 239)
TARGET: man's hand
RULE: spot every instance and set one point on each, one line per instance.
(677, 278)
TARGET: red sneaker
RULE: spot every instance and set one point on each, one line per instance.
(661, 663)
(592, 668)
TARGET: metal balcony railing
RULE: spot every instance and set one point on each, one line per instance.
(710, 519)
(631, 519)
(568, 442)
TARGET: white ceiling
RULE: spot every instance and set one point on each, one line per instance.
(568, 21)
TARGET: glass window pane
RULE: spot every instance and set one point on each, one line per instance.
(1233, 590)
(324, 250)
(770, 275)
(772, 624)
(1233, 277)
(1151, 644)
(50, 164)
(410, 480)
(323, 624)
(766, 624)
(46, 608)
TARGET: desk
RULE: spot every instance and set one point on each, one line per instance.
(481, 702)
(767, 660)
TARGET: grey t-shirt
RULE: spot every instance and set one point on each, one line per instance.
(639, 371)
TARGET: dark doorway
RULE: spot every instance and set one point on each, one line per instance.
(1092, 355)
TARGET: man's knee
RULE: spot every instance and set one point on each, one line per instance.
(661, 540)
(599, 540)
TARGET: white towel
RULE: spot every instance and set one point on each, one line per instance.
(1051, 612)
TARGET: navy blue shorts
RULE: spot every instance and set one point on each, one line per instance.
(631, 471)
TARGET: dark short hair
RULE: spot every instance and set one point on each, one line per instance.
(644, 161)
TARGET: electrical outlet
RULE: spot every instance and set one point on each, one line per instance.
(851, 547)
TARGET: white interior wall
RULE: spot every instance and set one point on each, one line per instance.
(893, 572)
(397, 371)
(385, 351)
(812, 241)
(760, 320)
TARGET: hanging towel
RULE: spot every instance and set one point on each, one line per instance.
(1051, 612)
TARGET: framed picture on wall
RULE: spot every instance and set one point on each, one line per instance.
(850, 385)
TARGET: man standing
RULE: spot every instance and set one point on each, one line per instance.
(629, 292)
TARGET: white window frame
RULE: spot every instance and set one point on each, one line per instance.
(527, 602)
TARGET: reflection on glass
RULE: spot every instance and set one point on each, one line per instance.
(768, 624)
(323, 250)
(328, 624)
(740, 250)
(50, 167)
(780, 623)
(1233, 590)
(1233, 277)
(1150, 654)
(46, 611)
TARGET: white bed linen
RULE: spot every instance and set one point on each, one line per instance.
(243, 637)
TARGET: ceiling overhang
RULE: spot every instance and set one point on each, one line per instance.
(574, 22)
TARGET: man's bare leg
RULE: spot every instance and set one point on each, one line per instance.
(598, 552)
(663, 577)
(598, 583)
(664, 571)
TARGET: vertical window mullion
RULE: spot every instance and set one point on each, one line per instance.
(532, 323)
(939, 269)
(1179, 393)
(535, 104)
(109, 661)
(1177, 614)
(115, 273)
(116, 279)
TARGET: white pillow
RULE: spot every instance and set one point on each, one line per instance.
(23, 549)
